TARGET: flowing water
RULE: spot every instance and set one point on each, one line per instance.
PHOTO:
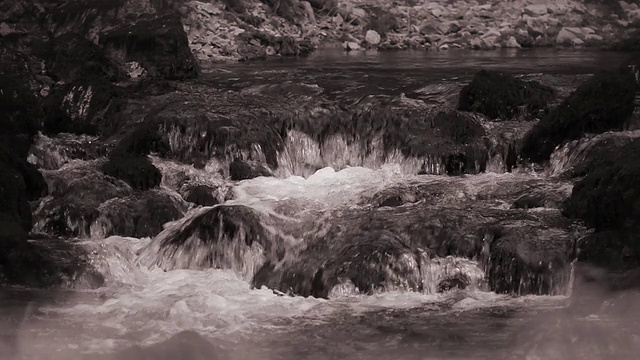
(169, 302)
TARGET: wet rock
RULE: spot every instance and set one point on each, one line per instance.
(456, 282)
(607, 200)
(351, 46)
(500, 96)
(201, 195)
(365, 265)
(75, 196)
(602, 103)
(232, 237)
(524, 259)
(137, 171)
(392, 126)
(20, 110)
(580, 157)
(242, 170)
(159, 44)
(51, 153)
(142, 214)
(197, 128)
(20, 182)
(81, 107)
(73, 57)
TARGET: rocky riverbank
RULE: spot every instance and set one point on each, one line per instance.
(222, 30)
(218, 31)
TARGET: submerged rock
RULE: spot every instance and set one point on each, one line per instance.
(159, 44)
(604, 102)
(501, 96)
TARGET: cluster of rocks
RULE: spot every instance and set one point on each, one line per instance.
(218, 31)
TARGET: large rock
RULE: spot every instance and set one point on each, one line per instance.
(142, 214)
(20, 109)
(159, 44)
(233, 237)
(137, 171)
(73, 57)
(604, 102)
(500, 96)
(75, 196)
(608, 199)
(82, 107)
(193, 127)
(420, 248)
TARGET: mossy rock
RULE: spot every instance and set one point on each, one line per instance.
(137, 171)
(603, 102)
(502, 96)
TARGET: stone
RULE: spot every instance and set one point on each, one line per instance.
(201, 195)
(606, 199)
(5, 29)
(130, 215)
(500, 96)
(75, 58)
(535, 10)
(565, 36)
(199, 240)
(512, 43)
(75, 194)
(81, 107)
(137, 171)
(603, 102)
(448, 27)
(159, 44)
(372, 37)
(352, 46)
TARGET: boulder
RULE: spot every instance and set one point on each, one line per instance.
(608, 199)
(73, 58)
(131, 215)
(201, 195)
(243, 170)
(157, 43)
(372, 37)
(20, 109)
(82, 107)
(501, 96)
(137, 171)
(204, 237)
(603, 102)
(75, 196)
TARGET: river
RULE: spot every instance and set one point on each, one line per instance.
(217, 314)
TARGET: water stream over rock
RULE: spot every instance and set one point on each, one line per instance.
(330, 207)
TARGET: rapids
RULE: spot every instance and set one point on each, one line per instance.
(232, 280)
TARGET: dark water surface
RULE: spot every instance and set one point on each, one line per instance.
(146, 307)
